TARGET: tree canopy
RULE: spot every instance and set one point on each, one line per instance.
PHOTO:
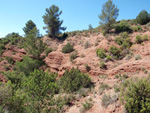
(108, 16)
(52, 21)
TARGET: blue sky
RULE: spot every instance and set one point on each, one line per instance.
(77, 14)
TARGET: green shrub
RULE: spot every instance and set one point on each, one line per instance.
(119, 40)
(48, 50)
(137, 57)
(74, 80)
(86, 106)
(145, 38)
(143, 17)
(103, 65)
(73, 56)
(104, 86)
(135, 95)
(115, 51)
(87, 67)
(27, 65)
(138, 39)
(67, 48)
(109, 58)
(101, 53)
(123, 26)
(9, 59)
(124, 35)
(40, 84)
(2, 47)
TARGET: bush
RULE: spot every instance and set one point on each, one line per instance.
(138, 39)
(73, 56)
(86, 45)
(101, 53)
(48, 50)
(27, 65)
(40, 84)
(109, 58)
(135, 95)
(67, 48)
(115, 51)
(86, 106)
(87, 67)
(137, 57)
(9, 59)
(122, 26)
(102, 65)
(143, 17)
(2, 47)
(74, 80)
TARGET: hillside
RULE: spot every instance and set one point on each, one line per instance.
(134, 62)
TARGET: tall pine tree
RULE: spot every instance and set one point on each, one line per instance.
(108, 16)
(52, 21)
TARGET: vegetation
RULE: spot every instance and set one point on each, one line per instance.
(101, 53)
(135, 95)
(108, 16)
(143, 17)
(74, 80)
(48, 50)
(67, 48)
(51, 19)
(30, 25)
(115, 51)
(139, 39)
(28, 65)
(73, 56)
(33, 45)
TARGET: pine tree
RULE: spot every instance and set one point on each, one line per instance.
(29, 26)
(52, 21)
(108, 16)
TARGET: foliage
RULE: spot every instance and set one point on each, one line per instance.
(115, 51)
(74, 80)
(109, 14)
(40, 84)
(101, 53)
(108, 99)
(51, 19)
(135, 95)
(87, 67)
(122, 26)
(103, 65)
(67, 48)
(86, 106)
(48, 50)
(27, 65)
(2, 47)
(103, 86)
(33, 45)
(73, 56)
(138, 39)
(137, 57)
(143, 17)
(86, 45)
(109, 58)
(9, 59)
(30, 25)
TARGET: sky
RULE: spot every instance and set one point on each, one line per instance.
(76, 14)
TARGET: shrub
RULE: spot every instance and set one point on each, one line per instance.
(124, 35)
(103, 65)
(122, 26)
(86, 106)
(67, 48)
(48, 50)
(145, 38)
(137, 57)
(2, 47)
(115, 51)
(101, 53)
(135, 95)
(109, 58)
(108, 99)
(40, 84)
(87, 67)
(138, 39)
(27, 65)
(74, 80)
(73, 56)
(143, 17)
(9, 59)
(86, 45)
(103, 86)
